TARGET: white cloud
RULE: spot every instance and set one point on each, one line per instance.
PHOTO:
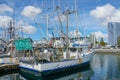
(29, 29)
(50, 35)
(106, 13)
(116, 16)
(5, 8)
(4, 21)
(103, 11)
(31, 11)
(62, 17)
(99, 34)
(21, 23)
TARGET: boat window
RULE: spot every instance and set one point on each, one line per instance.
(80, 50)
(41, 49)
(49, 49)
(73, 49)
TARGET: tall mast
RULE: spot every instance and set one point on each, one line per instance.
(58, 2)
(13, 31)
(76, 14)
(53, 5)
(58, 10)
(47, 26)
(11, 28)
(47, 22)
(66, 13)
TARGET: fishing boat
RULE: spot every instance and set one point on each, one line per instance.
(78, 74)
(52, 60)
(7, 53)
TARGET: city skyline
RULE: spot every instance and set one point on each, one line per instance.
(92, 17)
(113, 33)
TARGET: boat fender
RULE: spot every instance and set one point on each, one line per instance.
(45, 51)
(80, 60)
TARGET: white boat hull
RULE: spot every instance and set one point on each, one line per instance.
(49, 67)
(8, 60)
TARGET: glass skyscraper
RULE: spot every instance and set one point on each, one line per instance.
(113, 33)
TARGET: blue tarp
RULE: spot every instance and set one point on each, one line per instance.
(76, 45)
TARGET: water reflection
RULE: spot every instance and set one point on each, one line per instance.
(81, 74)
(103, 67)
(77, 76)
(14, 76)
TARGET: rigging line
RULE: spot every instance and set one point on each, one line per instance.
(38, 23)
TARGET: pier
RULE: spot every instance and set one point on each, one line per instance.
(108, 51)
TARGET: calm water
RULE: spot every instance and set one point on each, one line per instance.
(103, 67)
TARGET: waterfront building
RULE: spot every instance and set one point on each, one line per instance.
(113, 33)
(93, 40)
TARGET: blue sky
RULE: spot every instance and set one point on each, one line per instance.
(93, 16)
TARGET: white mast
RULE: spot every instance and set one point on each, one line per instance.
(53, 5)
(47, 16)
(76, 14)
(66, 13)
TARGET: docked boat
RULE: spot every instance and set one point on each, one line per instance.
(74, 74)
(47, 61)
(8, 54)
(55, 58)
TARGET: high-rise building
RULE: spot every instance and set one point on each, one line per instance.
(93, 40)
(113, 33)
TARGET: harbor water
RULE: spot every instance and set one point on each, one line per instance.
(102, 67)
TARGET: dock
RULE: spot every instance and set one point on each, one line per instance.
(108, 51)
